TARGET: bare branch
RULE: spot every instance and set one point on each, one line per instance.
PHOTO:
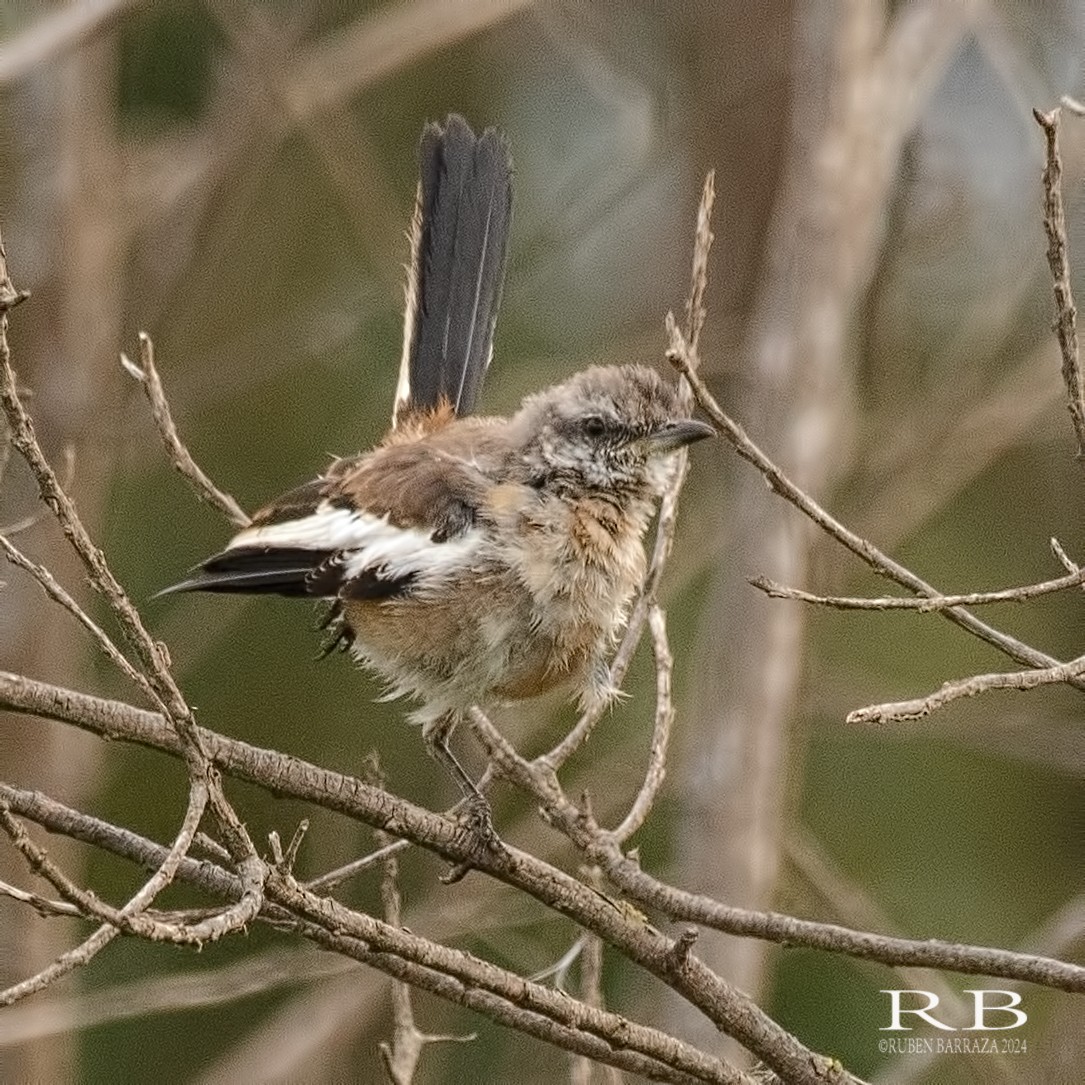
(1064, 559)
(661, 734)
(923, 604)
(59, 595)
(178, 453)
(448, 973)
(152, 654)
(401, 1055)
(82, 954)
(590, 953)
(474, 977)
(35, 517)
(291, 777)
(968, 687)
(42, 905)
(349, 870)
(131, 918)
(681, 357)
(64, 964)
(1059, 262)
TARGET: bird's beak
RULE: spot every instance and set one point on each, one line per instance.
(675, 435)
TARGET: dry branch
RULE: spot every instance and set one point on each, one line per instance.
(1059, 261)
(923, 604)
(413, 959)
(147, 374)
(972, 686)
(687, 363)
(255, 889)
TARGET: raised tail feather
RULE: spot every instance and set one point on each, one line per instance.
(459, 239)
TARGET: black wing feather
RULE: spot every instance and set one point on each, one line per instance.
(257, 570)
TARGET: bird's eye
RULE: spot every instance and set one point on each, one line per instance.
(594, 425)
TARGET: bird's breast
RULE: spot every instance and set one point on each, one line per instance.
(580, 562)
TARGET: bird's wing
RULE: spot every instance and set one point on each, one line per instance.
(399, 519)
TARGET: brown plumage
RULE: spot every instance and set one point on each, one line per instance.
(474, 559)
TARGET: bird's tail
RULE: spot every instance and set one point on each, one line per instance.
(459, 238)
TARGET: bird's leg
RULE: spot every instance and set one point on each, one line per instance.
(479, 815)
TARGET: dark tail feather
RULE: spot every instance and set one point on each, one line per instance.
(459, 238)
(256, 570)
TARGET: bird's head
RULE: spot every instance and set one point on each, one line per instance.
(609, 429)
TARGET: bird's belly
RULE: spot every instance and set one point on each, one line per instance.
(482, 641)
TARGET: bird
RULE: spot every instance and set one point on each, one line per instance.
(473, 559)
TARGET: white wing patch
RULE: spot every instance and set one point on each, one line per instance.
(369, 544)
(326, 528)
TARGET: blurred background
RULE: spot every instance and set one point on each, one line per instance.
(236, 178)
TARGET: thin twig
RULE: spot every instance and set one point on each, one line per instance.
(17, 527)
(923, 604)
(657, 760)
(1063, 558)
(582, 1071)
(131, 918)
(90, 947)
(1059, 261)
(681, 358)
(336, 877)
(58, 594)
(967, 687)
(66, 963)
(147, 374)
(400, 1057)
(5, 454)
(50, 909)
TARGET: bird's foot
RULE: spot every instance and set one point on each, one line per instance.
(480, 836)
